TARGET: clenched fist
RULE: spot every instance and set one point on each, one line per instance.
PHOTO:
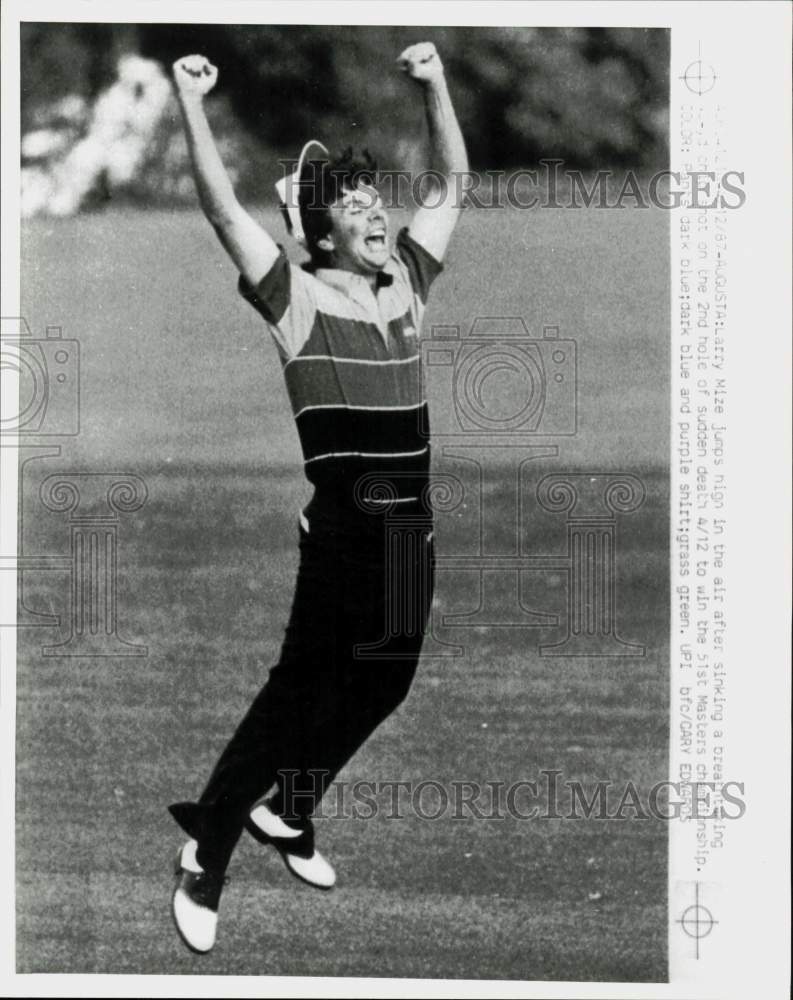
(194, 75)
(421, 62)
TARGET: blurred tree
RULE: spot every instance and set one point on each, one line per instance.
(63, 59)
(595, 97)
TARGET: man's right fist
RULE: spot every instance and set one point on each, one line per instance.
(194, 75)
(421, 62)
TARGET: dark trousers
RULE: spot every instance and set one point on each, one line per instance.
(361, 604)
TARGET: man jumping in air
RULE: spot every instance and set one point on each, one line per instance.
(346, 326)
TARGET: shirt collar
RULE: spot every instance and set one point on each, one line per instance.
(349, 282)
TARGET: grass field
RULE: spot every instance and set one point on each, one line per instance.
(180, 387)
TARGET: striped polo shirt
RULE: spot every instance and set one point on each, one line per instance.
(351, 362)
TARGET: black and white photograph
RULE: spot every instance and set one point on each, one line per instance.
(369, 392)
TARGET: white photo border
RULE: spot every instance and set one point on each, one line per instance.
(748, 45)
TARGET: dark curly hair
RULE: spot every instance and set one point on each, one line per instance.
(322, 184)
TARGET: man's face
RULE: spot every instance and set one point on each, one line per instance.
(359, 231)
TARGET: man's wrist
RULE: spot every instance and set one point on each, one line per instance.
(434, 82)
(189, 100)
(434, 89)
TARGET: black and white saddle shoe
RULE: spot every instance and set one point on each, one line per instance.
(195, 900)
(296, 847)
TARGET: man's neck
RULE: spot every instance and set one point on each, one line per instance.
(370, 277)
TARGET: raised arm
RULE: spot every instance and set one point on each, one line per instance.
(253, 251)
(433, 224)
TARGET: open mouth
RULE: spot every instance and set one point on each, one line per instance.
(376, 240)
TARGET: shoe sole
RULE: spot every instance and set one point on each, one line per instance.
(262, 838)
(177, 873)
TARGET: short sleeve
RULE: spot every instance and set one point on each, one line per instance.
(422, 267)
(285, 299)
(271, 296)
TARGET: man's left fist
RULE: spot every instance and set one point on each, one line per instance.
(421, 62)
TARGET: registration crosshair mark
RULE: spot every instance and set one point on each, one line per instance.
(697, 921)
